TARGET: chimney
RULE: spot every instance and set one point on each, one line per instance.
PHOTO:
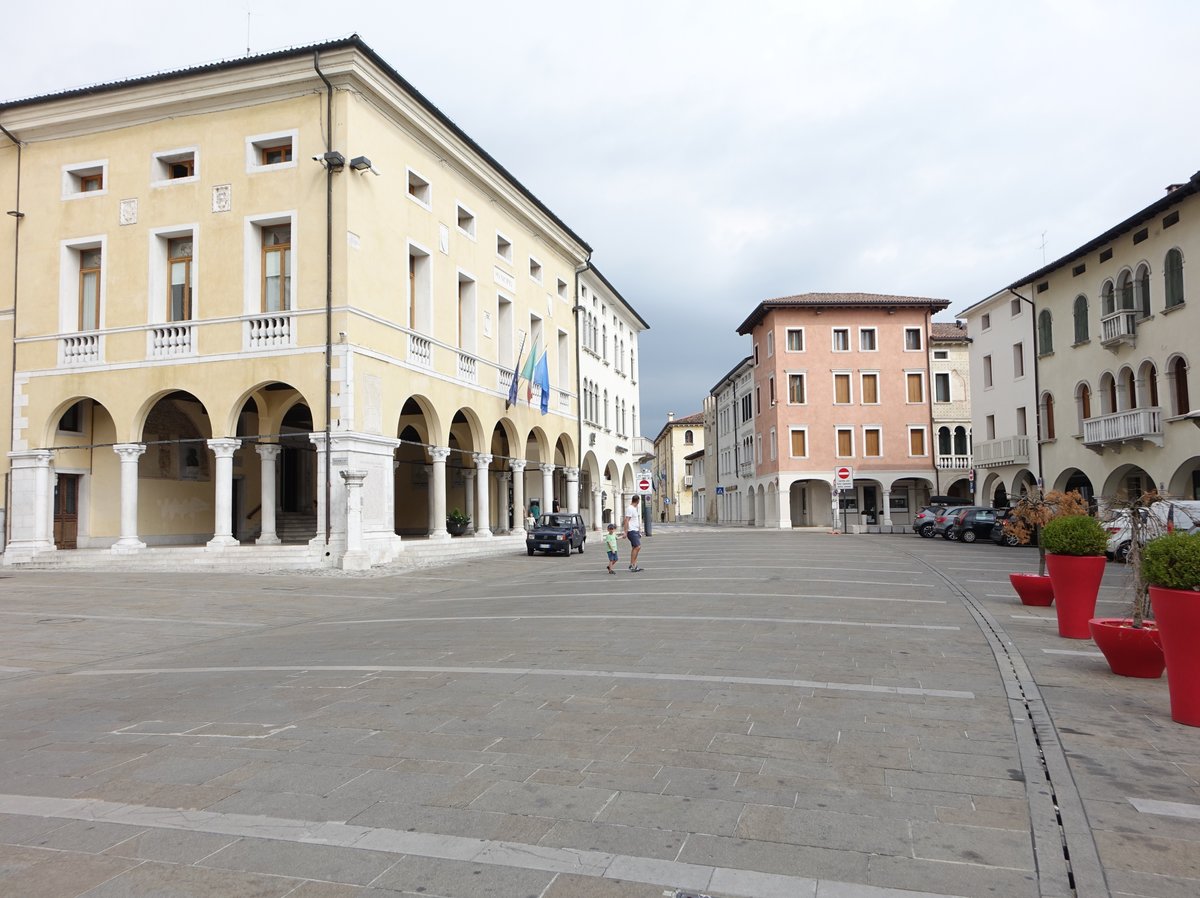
(670, 417)
(1171, 188)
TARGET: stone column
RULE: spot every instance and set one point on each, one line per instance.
(437, 493)
(31, 509)
(483, 526)
(886, 520)
(268, 453)
(547, 487)
(518, 498)
(597, 509)
(503, 525)
(572, 490)
(129, 453)
(469, 499)
(223, 449)
(356, 557)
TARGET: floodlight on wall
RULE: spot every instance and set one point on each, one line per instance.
(332, 161)
(362, 165)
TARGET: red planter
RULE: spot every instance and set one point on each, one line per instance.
(1076, 581)
(1177, 612)
(1130, 651)
(1033, 589)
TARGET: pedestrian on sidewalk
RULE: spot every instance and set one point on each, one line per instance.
(610, 543)
(631, 527)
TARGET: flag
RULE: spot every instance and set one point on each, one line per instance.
(543, 380)
(527, 372)
(511, 399)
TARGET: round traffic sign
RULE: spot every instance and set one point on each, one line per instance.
(843, 473)
(644, 484)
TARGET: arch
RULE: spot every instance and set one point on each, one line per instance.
(271, 398)
(412, 481)
(1173, 278)
(1185, 482)
(959, 488)
(1045, 332)
(194, 411)
(1023, 483)
(1147, 385)
(420, 415)
(1125, 290)
(467, 430)
(1141, 282)
(1073, 479)
(1108, 304)
(564, 451)
(990, 490)
(1108, 393)
(1046, 430)
(1126, 389)
(1177, 382)
(537, 445)
(945, 441)
(961, 441)
(772, 513)
(505, 440)
(1130, 480)
(1080, 318)
(688, 438)
(1083, 403)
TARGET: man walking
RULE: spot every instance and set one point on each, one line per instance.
(631, 528)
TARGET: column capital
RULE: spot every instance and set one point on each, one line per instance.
(546, 468)
(268, 451)
(130, 451)
(572, 473)
(482, 459)
(517, 464)
(353, 479)
(438, 453)
(225, 447)
(35, 458)
(469, 473)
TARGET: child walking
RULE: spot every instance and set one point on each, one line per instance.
(610, 543)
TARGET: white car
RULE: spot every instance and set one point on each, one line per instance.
(1186, 517)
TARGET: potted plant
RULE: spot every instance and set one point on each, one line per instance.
(1024, 524)
(457, 523)
(1171, 565)
(1075, 547)
(1131, 645)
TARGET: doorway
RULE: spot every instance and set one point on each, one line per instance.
(66, 511)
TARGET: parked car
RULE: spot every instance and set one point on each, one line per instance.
(1000, 537)
(926, 520)
(556, 533)
(943, 522)
(968, 524)
(1185, 518)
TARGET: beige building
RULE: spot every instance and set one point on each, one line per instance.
(674, 477)
(950, 399)
(1116, 328)
(276, 299)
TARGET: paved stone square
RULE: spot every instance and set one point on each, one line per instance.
(757, 714)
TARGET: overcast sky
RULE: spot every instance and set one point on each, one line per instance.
(718, 154)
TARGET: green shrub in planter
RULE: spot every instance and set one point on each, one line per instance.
(1077, 534)
(1173, 561)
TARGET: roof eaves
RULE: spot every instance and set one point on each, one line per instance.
(605, 281)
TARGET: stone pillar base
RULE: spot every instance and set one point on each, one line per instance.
(217, 543)
(356, 561)
(127, 547)
(268, 541)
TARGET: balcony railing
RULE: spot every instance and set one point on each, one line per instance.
(643, 447)
(954, 462)
(1007, 451)
(269, 331)
(468, 368)
(1120, 327)
(564, 401)
(687, 481)
(169, 341)
(504, 379)
(1120, 427)
(420, 351)
(79, 349)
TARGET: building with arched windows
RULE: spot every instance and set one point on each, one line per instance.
(280, 306)
(1115, 338)
(674, 474)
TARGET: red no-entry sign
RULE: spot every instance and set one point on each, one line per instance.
(644, 484)
(843, 478)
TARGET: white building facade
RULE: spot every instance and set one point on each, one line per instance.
(1003, 397)
(613, 448)
(950, 397)
(731, 452)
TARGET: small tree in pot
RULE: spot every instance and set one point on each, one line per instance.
(457, 523)
(1171, 565)
(1032, 512)
(1075, 547)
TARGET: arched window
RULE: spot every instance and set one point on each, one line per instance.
(1148, 375)
(944, 447)
(1143, 290)
(1108, 304)
(1081, 319)
(1047, 417)
(1083, 403)
(1108, 394)
(1045, 332)
(1127, 394)
(1179, 386)
(1173, 278)
(1125, 291)
(960, 441)
(688, 439)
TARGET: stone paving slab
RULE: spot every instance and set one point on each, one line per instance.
(822, 717)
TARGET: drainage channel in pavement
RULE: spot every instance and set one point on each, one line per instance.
(1068, 863)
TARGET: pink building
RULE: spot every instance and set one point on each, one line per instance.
(841, 380)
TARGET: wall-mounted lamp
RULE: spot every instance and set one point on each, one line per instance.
(332, 161)
(362, 165)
